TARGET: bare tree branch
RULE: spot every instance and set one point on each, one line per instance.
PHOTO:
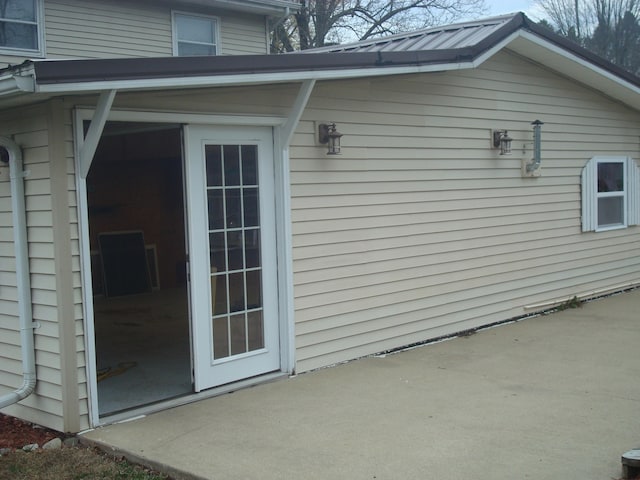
(609, 28)
(322, 22)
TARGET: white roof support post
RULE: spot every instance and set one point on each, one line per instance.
(283, 134)
(98, 122)
(286, 132)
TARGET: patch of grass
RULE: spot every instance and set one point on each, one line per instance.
(70, 464)
(574, 302)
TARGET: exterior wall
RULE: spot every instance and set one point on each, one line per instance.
(81, 29)
(420, 229)
(118, 28)
(243, 34)
(400, 239)
(68, 274)
(30, 129)
(403, 238)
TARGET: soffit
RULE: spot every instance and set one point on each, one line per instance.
(258, 7)
(577, 69)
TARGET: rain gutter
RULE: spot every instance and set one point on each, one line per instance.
(239, 79)
(282, 17)
(78, 76)
(16, 84)
(25, 314)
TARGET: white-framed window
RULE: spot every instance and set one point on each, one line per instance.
(21, 27)
(195, 34)
(610, 193)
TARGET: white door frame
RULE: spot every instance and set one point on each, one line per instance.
(283, 229)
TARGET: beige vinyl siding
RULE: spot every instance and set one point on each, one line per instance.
(29, 129)
(267, 100)
(243, 34)
(60, 398)
(66, 254)
(420, 229)
(82, 29)
(9, 60)
(119, 28)
(92, 29)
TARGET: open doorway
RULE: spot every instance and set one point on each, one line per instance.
(135, 198)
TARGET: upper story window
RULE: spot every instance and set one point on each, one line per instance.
(194, 34)
(610, 193)
(20, 26)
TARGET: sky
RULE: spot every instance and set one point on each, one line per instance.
(498, 7)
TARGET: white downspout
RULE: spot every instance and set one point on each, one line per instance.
(18, 211)
(287, 14)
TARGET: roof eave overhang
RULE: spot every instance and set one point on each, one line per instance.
(151, 74)
(271, 8)
(574, 66)
(242, 79)
(530, 41)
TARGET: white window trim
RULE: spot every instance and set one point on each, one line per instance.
(617, 194)
(590, 194)
(25, 52)
(174, 29)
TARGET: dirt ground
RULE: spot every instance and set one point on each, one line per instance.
(58, 464)
(15, 433)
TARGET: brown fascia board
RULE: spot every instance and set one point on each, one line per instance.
(77, 71)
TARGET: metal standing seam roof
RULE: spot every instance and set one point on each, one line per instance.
(459, 35)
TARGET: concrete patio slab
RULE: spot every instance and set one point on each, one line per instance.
(550, 397)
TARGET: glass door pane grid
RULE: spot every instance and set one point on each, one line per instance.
(231, 180)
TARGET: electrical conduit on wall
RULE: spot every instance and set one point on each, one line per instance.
(21, 252)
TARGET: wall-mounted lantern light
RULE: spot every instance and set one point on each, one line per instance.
(502, 140)
(329, 135)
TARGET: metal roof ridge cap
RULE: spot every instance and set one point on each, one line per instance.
(482, 56)
(516, 23)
